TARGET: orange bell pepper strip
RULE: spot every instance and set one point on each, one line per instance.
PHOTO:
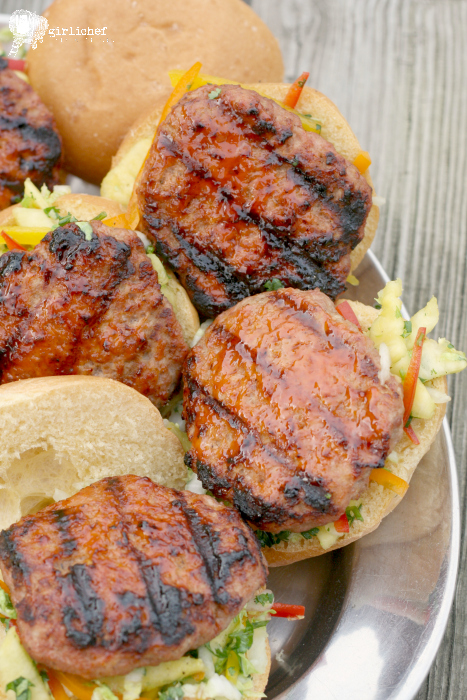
(11, 244)
(342, 525)
(362, 161)
(295, 90)
(182, 86)
(347, 312)
(82, 689)
(291, 611)
(55, 686)
(5, 587)
(410, 382)
(389, 481)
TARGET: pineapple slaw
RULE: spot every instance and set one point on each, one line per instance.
(223, 668)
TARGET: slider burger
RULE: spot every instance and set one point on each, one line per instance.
(245, 184)
(310, 418)
(88, 299)
(129, 589)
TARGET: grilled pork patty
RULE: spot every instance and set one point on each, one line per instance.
(30, 145)
(78, 306)
(285, 410)
(126, 574)
(235, 192)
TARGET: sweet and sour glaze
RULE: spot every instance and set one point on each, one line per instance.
(234, 192)
(30, 145)
(285, 410)
(127, 573)
(78, 306)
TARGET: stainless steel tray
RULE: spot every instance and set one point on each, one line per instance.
(376, 610)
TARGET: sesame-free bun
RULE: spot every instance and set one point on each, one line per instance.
(96, 89)
(377, 502)
(85, 207)
(65, 432)
(119, 182)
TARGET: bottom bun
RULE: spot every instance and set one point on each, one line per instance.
(62, 433)
(377, 501)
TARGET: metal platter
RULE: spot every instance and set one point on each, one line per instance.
(376, 610)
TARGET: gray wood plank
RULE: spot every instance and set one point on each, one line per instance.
(397, 69)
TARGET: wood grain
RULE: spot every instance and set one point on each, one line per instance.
(397, 70)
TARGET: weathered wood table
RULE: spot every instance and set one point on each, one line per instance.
(397, 70)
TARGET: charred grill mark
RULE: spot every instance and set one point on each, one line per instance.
(10, 262)
(308, 270)
(84, 619)
(42, 141)
(217, 565)
(314, 493)
(63, 520)
(255, 508)
(206, 261)
(11, 555)
(165, 604)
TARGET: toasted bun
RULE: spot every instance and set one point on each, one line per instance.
(118, 183)
(97, 86)
(86, 207)
(64, 432)
(377, 501)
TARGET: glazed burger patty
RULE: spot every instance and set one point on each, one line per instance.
(30, 145)
(126, 574)
(78, 306)
(285, 410)
(235, 192)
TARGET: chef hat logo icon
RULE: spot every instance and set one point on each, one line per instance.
(26, 27)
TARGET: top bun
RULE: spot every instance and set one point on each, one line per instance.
(96, 86)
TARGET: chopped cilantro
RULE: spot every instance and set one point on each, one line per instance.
(377, 305)
(295, 162)
(308, 534)
(52, 212)
(238, 642)
(269, 539)
(328, 496)
(68, 219)
(407, 329)
(398, 313)
(21, 687)
(353, 513)
(272, 285)
(264, 598)
(450, 346)
(44, 675)
(99, 217)
(150, 250)
(214, 93)
(6, 606)
(409, 420)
